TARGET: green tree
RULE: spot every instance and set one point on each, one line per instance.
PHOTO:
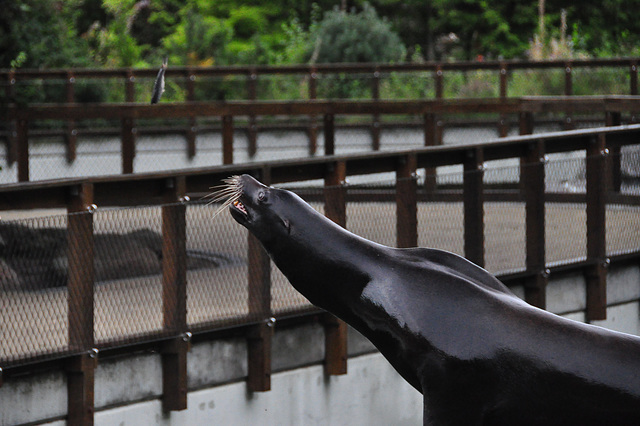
(42, 34)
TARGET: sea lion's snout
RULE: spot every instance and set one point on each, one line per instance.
(241, 194)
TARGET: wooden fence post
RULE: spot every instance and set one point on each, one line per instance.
(80, 257)
(596, 275)
(22, 151)
(71, 135)
(532, 173)
(429, 125)
(614, 118)
(191, 131)
(128, 140)
(252, 137)
(227, 139)
(174, 296)
(473, 200)
(335, 362)
(407, 202)
(260, 336)
(568, 91)
(329, 135)
(375, 125)
(313, 122)
(633, 79)
(503, 125)
(12, 142)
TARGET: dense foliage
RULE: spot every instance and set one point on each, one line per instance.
(53, 33)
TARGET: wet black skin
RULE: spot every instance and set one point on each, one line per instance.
(477, 353)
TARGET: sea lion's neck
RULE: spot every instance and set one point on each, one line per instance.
(325, 262)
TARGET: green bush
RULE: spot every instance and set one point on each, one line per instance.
(354, 37)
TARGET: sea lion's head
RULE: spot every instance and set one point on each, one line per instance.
(259, 208)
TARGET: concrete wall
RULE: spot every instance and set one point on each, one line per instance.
(128, 388)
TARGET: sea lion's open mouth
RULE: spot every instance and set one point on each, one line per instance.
(240, 207)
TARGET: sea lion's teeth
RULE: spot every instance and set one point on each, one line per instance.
(237, 204)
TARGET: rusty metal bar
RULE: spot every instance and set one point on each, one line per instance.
(174, 296)
(128, 140)
(329, 135)
(227, 139)
(596, 276)
(474, 206)
(22, 145)
(80, 256)
(71, 138)
(252, 137)
(335, 362)
(407, 202)
(533, 174)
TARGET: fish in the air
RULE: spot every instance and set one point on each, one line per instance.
(158, 86)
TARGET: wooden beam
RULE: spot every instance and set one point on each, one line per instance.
(474, 206)
(80, 257)
(533, 174)
(596, 276)
(407, 202)
(335, 362)
(174, 296)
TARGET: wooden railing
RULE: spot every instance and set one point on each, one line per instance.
(609, 108)
(374, 72)
(172, 191)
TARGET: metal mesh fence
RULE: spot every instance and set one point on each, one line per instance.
(372, 214)
(33, 296)
(36, 254)
(128, 274)
(440, 223)
(216, 290)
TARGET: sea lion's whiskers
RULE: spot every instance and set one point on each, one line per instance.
(228, 193)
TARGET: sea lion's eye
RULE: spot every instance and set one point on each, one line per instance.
(262, 196)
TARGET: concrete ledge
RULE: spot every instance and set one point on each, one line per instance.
(372, 393)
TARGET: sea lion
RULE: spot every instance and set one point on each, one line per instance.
(477, 353)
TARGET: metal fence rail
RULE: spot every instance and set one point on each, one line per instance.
(154, 273)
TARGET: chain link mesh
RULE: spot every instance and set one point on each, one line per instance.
(128, 248)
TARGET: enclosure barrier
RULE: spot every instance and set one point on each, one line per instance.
(438, 81)
(172, 192)
(527, 110)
